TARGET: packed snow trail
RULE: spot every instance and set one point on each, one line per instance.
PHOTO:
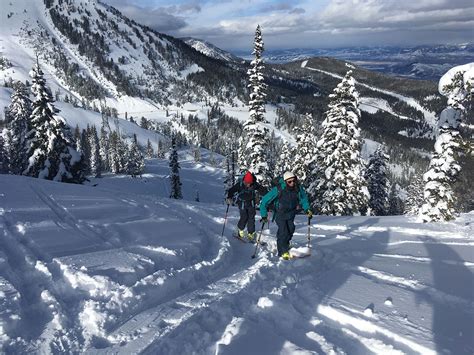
(117, 269)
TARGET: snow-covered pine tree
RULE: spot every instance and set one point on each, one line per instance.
(444, 168)
(18, 113)
(305, 152)
(136, 161)
(228, 181)
(160, 152)
(149, 150)
(197, 154)
(95, 160)
(50, 150)
(174, 175)
(377, 183)
(86, 149)
(339, 187)
(104, 148)
(3, 154)
(253, 147)
(114, 158)
(123, 154)
(285, 159)
(414, 199)
(396, 205)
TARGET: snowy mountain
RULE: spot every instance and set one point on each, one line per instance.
(95, 53)
(211, 50)
(121, 268)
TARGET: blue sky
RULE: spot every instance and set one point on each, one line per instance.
(230, 24)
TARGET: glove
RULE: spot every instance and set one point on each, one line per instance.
(309, 213)
(228, 201)
(264, 220)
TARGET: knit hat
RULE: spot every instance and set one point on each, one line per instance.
(248, 178)
(288, 175)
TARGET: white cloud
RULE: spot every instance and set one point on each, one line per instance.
(230, 24)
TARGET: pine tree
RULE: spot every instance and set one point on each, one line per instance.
(85, 149)
(136, 161)
(104, 148)
(378, 184)
(414, 199)
(18, 113)
(114, 158)
(438, 192)
(149, 150)
(174, 176)
(95, 160)
(123, 154)
(305, 152)
(197, 154)
(285, 159)
(253, 146)
(339, 187)
(396, 205)
(3, 154)
(50, 149)
(160, 152)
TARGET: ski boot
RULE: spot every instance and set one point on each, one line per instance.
(286, 256)
(251, 237)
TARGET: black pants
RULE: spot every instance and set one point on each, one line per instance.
(286, 228)
(247, 218)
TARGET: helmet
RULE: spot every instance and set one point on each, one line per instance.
(288, 175)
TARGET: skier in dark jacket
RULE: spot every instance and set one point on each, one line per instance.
(288, 196)
(246, 199)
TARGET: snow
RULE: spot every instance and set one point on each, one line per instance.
(430, 116)
(119, 267)
(446, 79)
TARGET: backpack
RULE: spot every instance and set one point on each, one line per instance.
(241, 183)
(273, 205)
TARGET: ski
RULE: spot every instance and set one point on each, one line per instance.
(248, 242)
(299, 253)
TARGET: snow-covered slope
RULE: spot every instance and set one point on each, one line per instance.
(91, 51)
(120, 268)
(210, 50)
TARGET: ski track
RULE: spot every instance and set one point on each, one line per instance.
(214, 300)
(417, 286)
(421, 259)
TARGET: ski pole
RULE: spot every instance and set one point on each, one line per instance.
(225, 220)
(258, 242)
(309, 232)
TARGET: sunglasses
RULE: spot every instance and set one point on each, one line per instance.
(292, 181)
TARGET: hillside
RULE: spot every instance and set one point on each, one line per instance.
(96, 59)
(119, 267)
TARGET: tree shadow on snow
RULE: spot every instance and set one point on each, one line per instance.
(453, 324)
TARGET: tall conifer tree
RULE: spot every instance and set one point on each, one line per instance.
(18, 113)
(174, 175)
(253, 146)
(50, 150)
(339, 187)
(378, 184)
(439, 200)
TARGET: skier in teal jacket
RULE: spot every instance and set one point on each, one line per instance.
(288, 196)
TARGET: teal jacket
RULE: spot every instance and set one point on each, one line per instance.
(273, 194)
